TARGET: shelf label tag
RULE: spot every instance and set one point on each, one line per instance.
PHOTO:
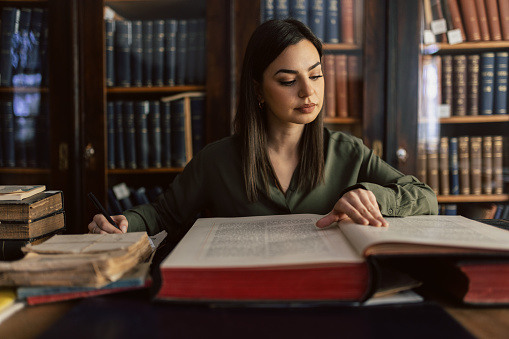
(454, 36)
(444, 111)
(439, 26)
(429, 37)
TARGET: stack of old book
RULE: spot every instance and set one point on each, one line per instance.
(28, 215)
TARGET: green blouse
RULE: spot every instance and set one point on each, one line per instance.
(213, 181)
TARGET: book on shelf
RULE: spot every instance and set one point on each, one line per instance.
(473, 84)
(170, 51)
(492, 13)
(457, 22)
(498, 164)
(447, 80)
(9, 28)
(470, 19)
(317, 18)
(432, 163)
(482, 17)
(299, 10)
(464, 164)
(500, 83)
(197, 106)
(454, 166)
(421, 165)
(19, 192)
(444, 166)
(503, 7)
(166, 134)
(120, 138)
(281, 9)
(332, 22)
(487, 164)
(110, 134)
(148, 51)
(92, 260)
(154, 134)
(109, 45)
(122, 48)
(330, 85)
(354, 70)
(141, 111)
(460, 85)
(341, 85)
(347, 21)
(475, 158)
(158, 41)
(136, 54)
(486, 82)
(242, 258)
(437, 15)
(182, 52)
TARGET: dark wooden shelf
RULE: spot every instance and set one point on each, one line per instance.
(163, 89)
(342, 47)
(24, 90)
(452, 199)
(475, 119)
(146, 170)
(23, 170)
(464, 46)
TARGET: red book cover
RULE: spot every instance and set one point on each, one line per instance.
(330, 85)
(347, 22)
(470, 19)
(456, 17)
(493, 20)
(483, 19)
(503, 8)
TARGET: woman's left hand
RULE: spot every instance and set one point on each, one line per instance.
(360, 205)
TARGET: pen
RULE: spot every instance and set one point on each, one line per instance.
(101, 209)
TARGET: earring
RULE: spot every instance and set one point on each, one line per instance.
(260, 105)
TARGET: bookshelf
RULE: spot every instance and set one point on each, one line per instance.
(44, 152)
(453, 94)
(103, 89)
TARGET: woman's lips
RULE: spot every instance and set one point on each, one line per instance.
(308, 108)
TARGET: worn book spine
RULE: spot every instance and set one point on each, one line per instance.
(487, 76)
(432, 165)
(347, 21)
(9, 159)
(110, 134)
(475, 164)
(454, 166)
(316, 18)
(341, 85)
(438, 14)
(33, 63)
(457, 21)
(447, 14)
(460, 85)
(129, 135)
(498, 159)
(447, 80)
(148, 51)
(503, 8)
(487, 164)
(330, 85)
(299, 10)
(166, 134)
(158, 53)
(428, 14)
(170, 51)
(444, 166)
(178, 133)
(33, 229)
(201, 62)
(31, 208)
(110, 52)
(137, 54)
(267, 10)
(464, 164)
(197, 123)
(421, 161)
(469, 15)
(473, 84)
(182, 37)
(500, 85)
(482, 17)
(120, 157)
(281, 9)
(141, 109)
(10, 28)
(154, 134)
(192, 52)
(332, 22)
(354, 85)
(493, 20)
(123, 53)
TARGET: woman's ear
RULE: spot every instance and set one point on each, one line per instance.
(258, 91)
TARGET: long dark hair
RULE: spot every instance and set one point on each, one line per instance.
(268, 41)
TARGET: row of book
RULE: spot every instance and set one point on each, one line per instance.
(23, 47)
(155, 134)
(155, 52)
(343, 85)
(24, 132)
(468, 84)
(463, 165)
(29, 215)
(121, 197)
(474, 20)
(332, 21)
(477, 210)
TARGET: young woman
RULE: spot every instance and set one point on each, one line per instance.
(280, 159)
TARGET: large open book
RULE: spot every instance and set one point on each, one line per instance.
(286, 257)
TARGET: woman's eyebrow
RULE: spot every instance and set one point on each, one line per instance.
(290, 71)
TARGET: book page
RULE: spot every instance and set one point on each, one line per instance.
(430, 230)
(261, 241)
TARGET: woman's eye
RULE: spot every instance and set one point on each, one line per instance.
(315, 77)
(287, 83)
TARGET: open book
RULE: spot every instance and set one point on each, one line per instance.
(285, 257)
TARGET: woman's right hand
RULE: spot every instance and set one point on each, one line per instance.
(100, 224)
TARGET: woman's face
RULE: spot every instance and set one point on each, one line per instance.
(293, 85)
